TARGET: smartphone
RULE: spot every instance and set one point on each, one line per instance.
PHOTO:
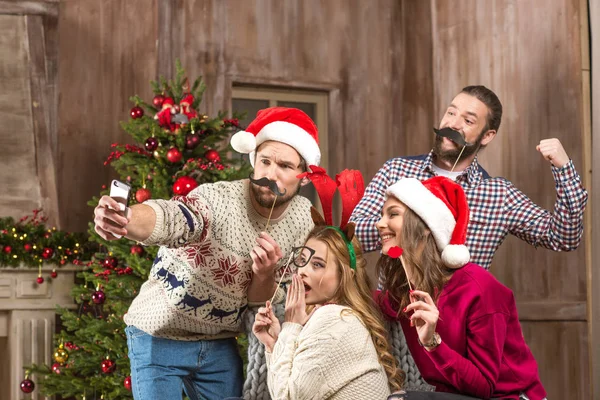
(120, 192)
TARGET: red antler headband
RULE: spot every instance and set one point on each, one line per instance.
(351, 185)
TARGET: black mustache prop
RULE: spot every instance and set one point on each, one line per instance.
(452, 135)
(267, 183)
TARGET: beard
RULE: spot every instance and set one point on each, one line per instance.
(451, 155)
(265, 200)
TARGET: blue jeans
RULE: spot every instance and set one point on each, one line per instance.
(162, 368)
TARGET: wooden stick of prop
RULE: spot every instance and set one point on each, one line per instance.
(457, 158)
(271, 213)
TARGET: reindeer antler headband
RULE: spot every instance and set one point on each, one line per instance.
(351, 186)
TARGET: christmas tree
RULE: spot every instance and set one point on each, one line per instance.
(177, 149)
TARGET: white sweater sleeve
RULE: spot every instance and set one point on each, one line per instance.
(304, 361)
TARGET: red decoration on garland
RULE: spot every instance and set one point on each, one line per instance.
(27, 385)
(395, 252)
(98, 297)
(28, 247)
(108, 366)
(142, 195)
(184, 185)
(212, 156)
(47, 253)
(174, 155)
(158, 100)
(7, 249)
(40, 280)
(136, 112)
(53, 274)
(137, 250)
(151, 144)
(127, 383)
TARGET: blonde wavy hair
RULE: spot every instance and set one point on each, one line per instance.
(354, 292)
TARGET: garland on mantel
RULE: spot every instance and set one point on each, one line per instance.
(29, 243)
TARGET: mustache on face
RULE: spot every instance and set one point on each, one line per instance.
(453, 135)
(266, 182)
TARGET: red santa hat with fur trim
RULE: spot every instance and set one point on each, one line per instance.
(286, 125)
(442, 205)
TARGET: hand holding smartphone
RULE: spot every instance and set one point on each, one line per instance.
(120, 192)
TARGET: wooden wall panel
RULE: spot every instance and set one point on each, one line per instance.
(535, 68)
(564, 374)
(107, 54)
(18, 173)
(341, 45)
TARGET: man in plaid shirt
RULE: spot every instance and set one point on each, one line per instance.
(497, 207)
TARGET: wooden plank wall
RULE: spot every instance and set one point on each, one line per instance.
(529, 53)
(390, 68)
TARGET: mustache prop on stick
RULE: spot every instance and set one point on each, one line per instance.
(272, 185)
(456, 137)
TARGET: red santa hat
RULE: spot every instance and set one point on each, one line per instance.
(442, 205)
(286, 125)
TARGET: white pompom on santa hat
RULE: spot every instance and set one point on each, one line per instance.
(442, 205)
(286, 125)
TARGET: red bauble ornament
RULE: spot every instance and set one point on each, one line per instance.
(184, 185)
(136, 112)
(192, 141)
(158, 100)
(137, 250)
(110, 262)
(28, 247)
(212, 156)
(98, 297)
(127, 383)
(56, 368)
(27, 386)
(108, 366)
(174, 155)
(151, 143)
(40, 280)
(142, 195)
(54, 274)
(7, 249)
(47, 253)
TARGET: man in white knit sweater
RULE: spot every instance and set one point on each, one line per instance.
(214, 259)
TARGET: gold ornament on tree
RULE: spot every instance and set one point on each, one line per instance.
(60, 355)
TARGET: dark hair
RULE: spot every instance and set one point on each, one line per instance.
(489, 98)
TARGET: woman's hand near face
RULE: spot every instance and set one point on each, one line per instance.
(266, 327)
(425, 315)
(295, 303)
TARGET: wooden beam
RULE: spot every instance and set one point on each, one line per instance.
(165, 42)
(29, 7)
(41, 106)
(552, 311)
(593, 268)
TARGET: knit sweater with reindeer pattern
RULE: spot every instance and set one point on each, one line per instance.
(198, 284)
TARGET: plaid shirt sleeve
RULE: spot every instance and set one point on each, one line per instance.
(368, 211)
(558, 231)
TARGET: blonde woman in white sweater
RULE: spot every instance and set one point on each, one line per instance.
(336, 348)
